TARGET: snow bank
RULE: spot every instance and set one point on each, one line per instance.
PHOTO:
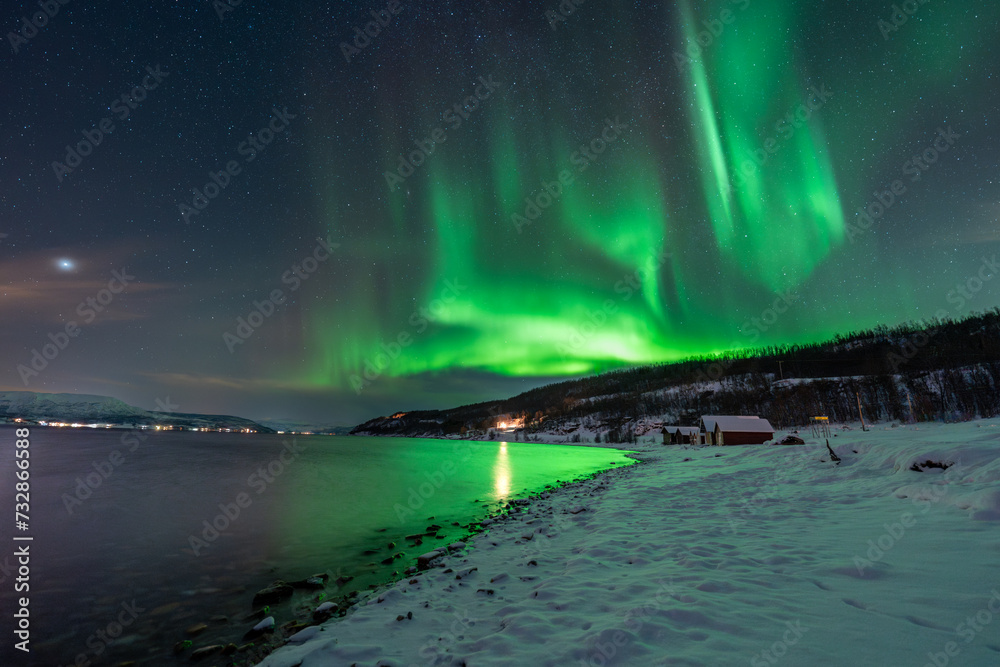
(754, 555)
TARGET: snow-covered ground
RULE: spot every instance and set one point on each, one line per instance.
(749, 555)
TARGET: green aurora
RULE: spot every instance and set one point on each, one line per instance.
(668, 240)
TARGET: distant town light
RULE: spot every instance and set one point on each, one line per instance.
(509, 425)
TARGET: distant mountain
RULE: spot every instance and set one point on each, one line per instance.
(66, 407)
(305, 427)
(87, 408)
(420, 424)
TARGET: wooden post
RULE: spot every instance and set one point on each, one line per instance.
(833, 454)
(863, 427)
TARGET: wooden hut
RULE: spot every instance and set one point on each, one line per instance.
(735, 430)
(681, 435)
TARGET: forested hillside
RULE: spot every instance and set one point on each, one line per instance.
(943, 369)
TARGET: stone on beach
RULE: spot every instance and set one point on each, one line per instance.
(267, 625)
(424, 561)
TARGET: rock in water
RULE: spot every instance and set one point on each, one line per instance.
(310, 583)
(274, 593)
(196, 629)
(206, 651)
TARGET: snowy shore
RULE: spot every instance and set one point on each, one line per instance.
(750, 555)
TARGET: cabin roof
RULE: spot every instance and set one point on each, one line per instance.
(737, 423)
(686, 430)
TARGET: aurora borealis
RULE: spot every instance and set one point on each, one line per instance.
(517, 194)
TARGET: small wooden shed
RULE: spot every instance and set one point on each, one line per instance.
(681, 435)
(735, 430)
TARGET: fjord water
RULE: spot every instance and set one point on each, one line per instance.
(311, 504)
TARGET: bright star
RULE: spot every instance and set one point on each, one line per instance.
(66, 264)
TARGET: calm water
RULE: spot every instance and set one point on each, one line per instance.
(125, 552)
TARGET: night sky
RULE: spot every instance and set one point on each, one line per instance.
(480, 198)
